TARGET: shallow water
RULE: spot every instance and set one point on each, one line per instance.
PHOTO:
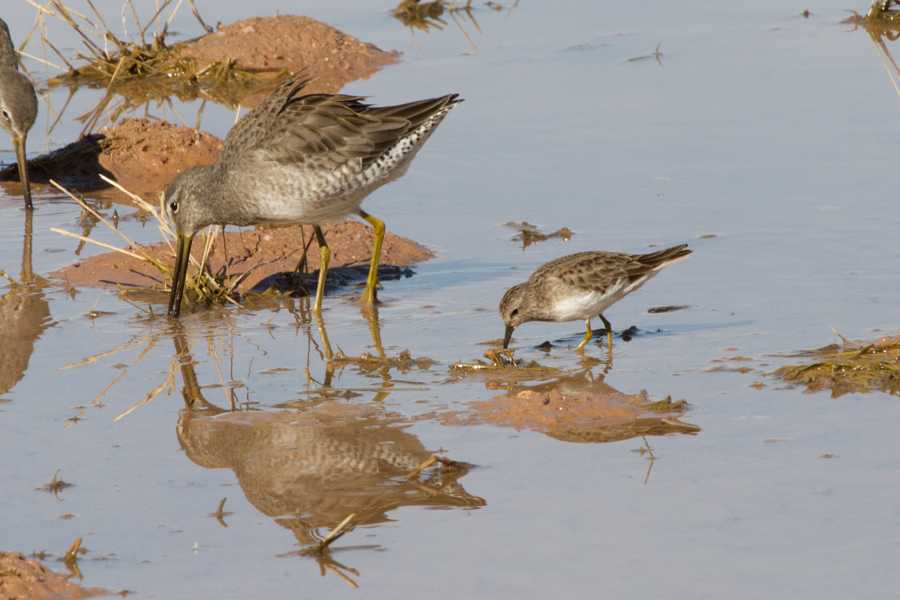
(770, 131)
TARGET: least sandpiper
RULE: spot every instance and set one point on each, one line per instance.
(18, 105)
(301, 159)
(581, 286)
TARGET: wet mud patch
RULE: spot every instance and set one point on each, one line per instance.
(293, 43)
(853, 367)
(24, 579)
(261, 259)
(140, 155)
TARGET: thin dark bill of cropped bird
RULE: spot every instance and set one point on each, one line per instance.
(301, 160)
(18, 105)
(580, 287)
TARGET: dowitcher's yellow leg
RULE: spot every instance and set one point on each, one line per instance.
(587, 336)
(324, 257)
(368, 296)
(608, 330)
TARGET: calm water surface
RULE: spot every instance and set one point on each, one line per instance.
(774, 133)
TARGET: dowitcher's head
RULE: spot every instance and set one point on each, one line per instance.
(189, 200)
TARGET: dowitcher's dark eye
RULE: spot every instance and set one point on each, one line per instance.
(173, 206)
(514, 312)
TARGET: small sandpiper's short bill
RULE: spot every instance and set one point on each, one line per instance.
(580, 287)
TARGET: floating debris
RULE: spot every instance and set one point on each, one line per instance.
(368, 362)
(666, 309)
(55, 485)
(500, 359)
(530, 234)
(655, 54)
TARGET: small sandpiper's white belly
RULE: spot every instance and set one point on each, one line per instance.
(582, 305)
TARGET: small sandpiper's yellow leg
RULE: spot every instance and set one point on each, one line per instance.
(608, 330)
(324, 258)
(368, 296)
(587, 336)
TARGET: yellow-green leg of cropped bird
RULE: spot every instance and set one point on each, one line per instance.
(324, 258)
(368, 296)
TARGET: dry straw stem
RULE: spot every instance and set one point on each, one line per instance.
(92, 359)
(169, 382)
(430, 461)
(83, 204)
(336, 533)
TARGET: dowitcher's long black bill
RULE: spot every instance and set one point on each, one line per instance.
(19, 144)
(182, 259)
(507, 336)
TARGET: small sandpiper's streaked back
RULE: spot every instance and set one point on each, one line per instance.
(301, 160)
(18, 105)
(580, 287)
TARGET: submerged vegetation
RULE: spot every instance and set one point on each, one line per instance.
(850, 367)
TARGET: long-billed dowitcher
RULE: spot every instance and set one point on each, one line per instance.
(18, 105)
(581, 286)
(301, 159)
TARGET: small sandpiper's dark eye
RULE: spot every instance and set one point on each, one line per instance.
(6, 116)
(173, 206)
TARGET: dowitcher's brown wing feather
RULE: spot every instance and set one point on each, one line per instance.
(321, 131)
(256, 125)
